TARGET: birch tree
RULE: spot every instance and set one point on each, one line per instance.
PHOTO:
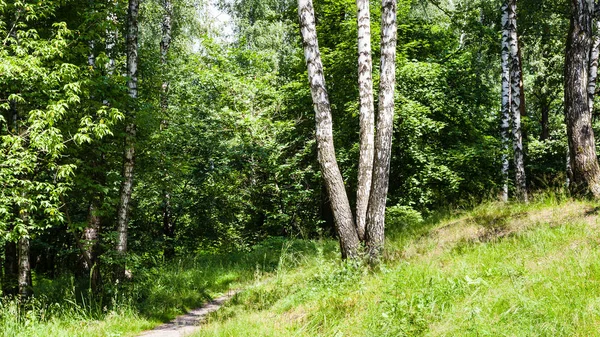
(367, 115)
(506, 98)
(517, 106)
(332, 176)
(585, 176)
(383, 141)
(373, 179)
(130, 135)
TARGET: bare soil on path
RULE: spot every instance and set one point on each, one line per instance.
(187, 324)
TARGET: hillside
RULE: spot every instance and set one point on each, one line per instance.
(495, 271)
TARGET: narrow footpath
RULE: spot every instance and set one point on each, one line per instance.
(187, 324)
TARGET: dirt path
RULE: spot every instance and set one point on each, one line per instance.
(185, 325)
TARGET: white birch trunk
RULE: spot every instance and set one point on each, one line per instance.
(383, 141)
(24, 272)
(367, 116)
(129, 148)
(516, 70)
(332, 176)
(506, 99)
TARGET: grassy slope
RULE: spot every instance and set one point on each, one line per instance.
(498, 270)
(495, 271)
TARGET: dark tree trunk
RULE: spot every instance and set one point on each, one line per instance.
(90, 241)
(383, 139)
(585, 177)
(332, 176)
(545, 120)
(129, 144)
(11, 268)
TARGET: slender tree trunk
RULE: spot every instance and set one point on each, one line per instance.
(383, 140)
(506, 99)
(24, 274)
(11, 269)
(24, 277)
(332, 176)
(367, 116)
(91, 246)
(165, 45)
(545, 106)
(516, 106)
(585, 177)
(130, 134)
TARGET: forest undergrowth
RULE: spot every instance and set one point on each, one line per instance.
(494, 270)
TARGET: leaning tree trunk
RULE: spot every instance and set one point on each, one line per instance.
(506, 99)
(130, 134)
(367, 116)
(383, 140)
(165, 45)
(585, 176)
(516, 106)
(332, 176)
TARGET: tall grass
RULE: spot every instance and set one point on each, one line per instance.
(495, 270)
(156, 294)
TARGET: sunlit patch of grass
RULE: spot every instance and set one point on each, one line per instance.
(498, 270)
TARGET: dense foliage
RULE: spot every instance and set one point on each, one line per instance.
(232, 159)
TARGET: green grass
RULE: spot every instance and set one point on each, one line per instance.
(496, 270)
(155, 295)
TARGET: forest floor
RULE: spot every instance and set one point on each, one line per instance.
(495, 270)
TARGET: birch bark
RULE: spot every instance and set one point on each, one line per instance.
(332, 176)
(130, 134)
(383, 141)
(24, 275)
(506, 99)
(367, 116)
(516, 103)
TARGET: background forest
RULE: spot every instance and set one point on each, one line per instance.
(211, 131)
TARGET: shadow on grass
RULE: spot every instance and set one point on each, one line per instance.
(163, 292)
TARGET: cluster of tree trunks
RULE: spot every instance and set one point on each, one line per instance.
(513, 102)
(375, 153)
